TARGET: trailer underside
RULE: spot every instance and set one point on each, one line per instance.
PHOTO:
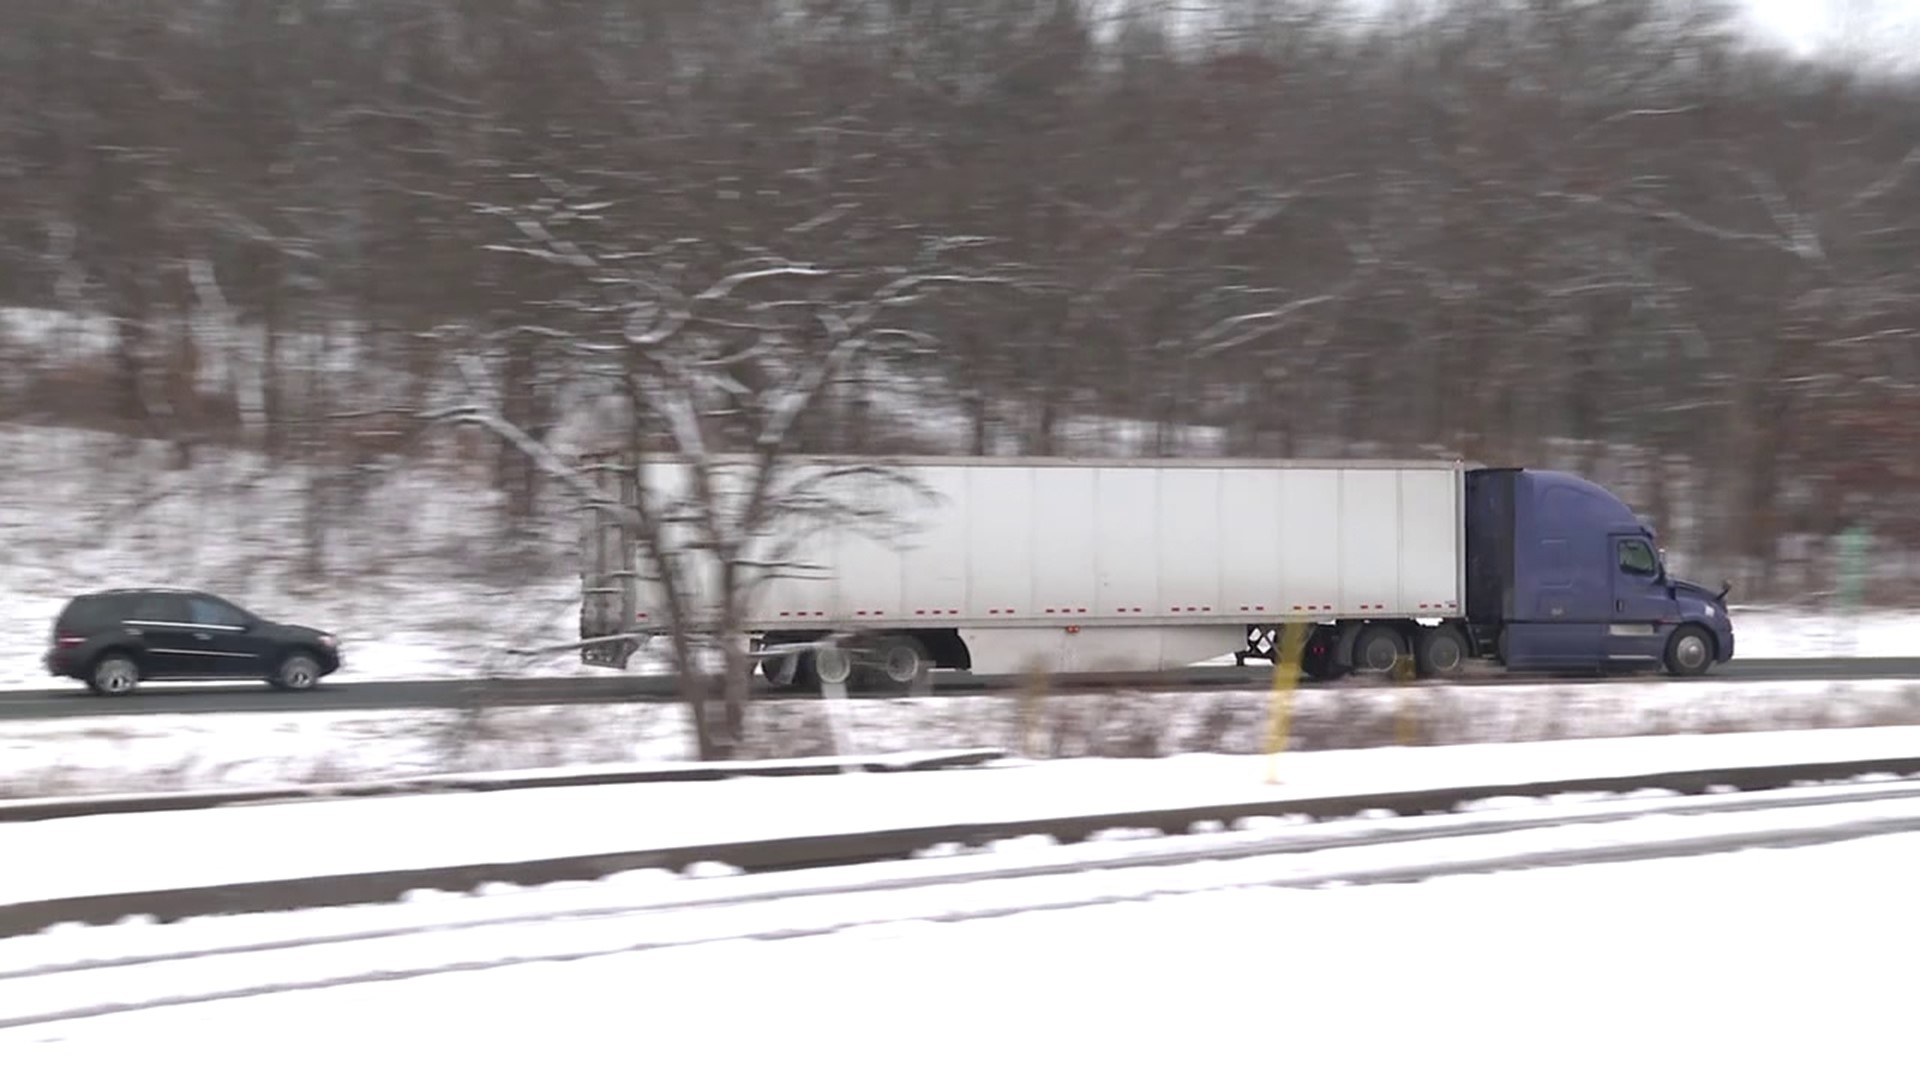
(904, 658)
(900, 657)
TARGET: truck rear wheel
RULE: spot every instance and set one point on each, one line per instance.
(1440, 652)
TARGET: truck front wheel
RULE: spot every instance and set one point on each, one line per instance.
(1690, 652)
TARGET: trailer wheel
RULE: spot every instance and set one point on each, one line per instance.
(781, 671)
(829, 665)
(1378, 650)
(1690, 652)
(1440, 652)
(901, 664)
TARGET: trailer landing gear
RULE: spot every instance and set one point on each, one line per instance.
(1316, 657)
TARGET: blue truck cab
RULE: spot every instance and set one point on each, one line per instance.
(1561, 575)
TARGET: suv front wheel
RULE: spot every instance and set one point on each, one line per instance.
(299, 671)
(114, 675)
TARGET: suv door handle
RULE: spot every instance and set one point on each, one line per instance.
(202, 635)
(1619, 605)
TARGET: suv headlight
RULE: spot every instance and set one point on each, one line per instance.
(329, 641)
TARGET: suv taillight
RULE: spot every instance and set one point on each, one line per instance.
(68, 641)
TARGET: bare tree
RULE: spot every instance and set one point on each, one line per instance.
(1598, 233)
(717, 381)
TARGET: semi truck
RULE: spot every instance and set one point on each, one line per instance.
(1002, 566)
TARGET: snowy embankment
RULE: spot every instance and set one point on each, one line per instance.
(151, 752)
(132, 967)
(1705, 966)
(295, 840)
(1492, 974)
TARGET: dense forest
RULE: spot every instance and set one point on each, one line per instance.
(1603, 234)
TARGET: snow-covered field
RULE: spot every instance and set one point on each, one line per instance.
(79, 856)
(149, 752)
(411, 578)
(1762, 963)
(1785, 633)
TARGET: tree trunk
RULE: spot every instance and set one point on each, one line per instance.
(737, 689)
(313, 457)
(737, 668)
(693, 691)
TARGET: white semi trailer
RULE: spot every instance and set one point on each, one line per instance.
(1016, 565)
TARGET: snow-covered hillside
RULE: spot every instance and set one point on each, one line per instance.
(412, 575)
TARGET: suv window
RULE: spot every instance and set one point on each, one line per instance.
(210, 612)
(160, 607)
(88, 614)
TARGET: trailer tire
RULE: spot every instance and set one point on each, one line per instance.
(1690, 652)
(1378, 650)
(901, 664)
(1440, 652)
(781, 672)
(828, 665)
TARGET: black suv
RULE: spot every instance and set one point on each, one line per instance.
(116, 639)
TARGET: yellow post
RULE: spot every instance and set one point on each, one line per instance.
(1286, 676)
(1404, 723)
(1033, 698)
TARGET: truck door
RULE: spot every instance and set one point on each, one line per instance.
(1642, 610)
(1569, 605)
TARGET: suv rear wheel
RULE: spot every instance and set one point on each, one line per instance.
(114, 675)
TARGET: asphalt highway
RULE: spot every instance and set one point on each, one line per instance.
(597, 689)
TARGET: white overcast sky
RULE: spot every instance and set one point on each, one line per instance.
(1873, 26)
(1884, 31)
